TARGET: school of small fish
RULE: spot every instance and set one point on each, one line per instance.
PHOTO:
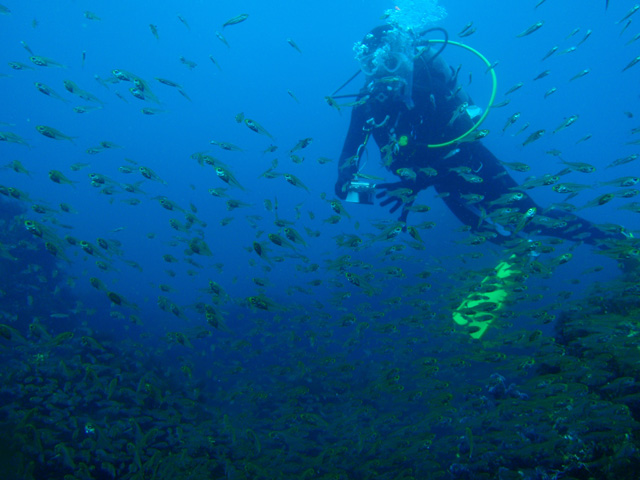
(330, 353)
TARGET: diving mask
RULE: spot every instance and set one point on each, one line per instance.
(387, 53)
(383, 62)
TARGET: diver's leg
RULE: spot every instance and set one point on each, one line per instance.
(496, 182)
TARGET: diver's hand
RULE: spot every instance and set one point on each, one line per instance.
(403, 215)
(396, 195)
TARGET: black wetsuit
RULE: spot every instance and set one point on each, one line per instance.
(429, 122)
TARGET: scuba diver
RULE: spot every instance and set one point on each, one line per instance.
(425, 126)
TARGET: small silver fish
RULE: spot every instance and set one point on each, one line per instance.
(531, 29)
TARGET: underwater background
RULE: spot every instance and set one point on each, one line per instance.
(143, 336)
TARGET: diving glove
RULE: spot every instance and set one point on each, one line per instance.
(396, 194)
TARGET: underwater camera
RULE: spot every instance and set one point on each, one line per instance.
(360, 192)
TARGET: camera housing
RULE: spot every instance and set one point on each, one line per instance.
(360, 192)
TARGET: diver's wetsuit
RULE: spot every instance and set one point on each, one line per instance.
(429, 122)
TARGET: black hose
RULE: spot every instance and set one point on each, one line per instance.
(346, 83)
(426, 42)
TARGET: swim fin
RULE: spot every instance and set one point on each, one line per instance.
(479, 310)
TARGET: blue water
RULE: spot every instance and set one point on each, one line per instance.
(302, 340)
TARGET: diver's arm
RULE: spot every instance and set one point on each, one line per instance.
(351, 149)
